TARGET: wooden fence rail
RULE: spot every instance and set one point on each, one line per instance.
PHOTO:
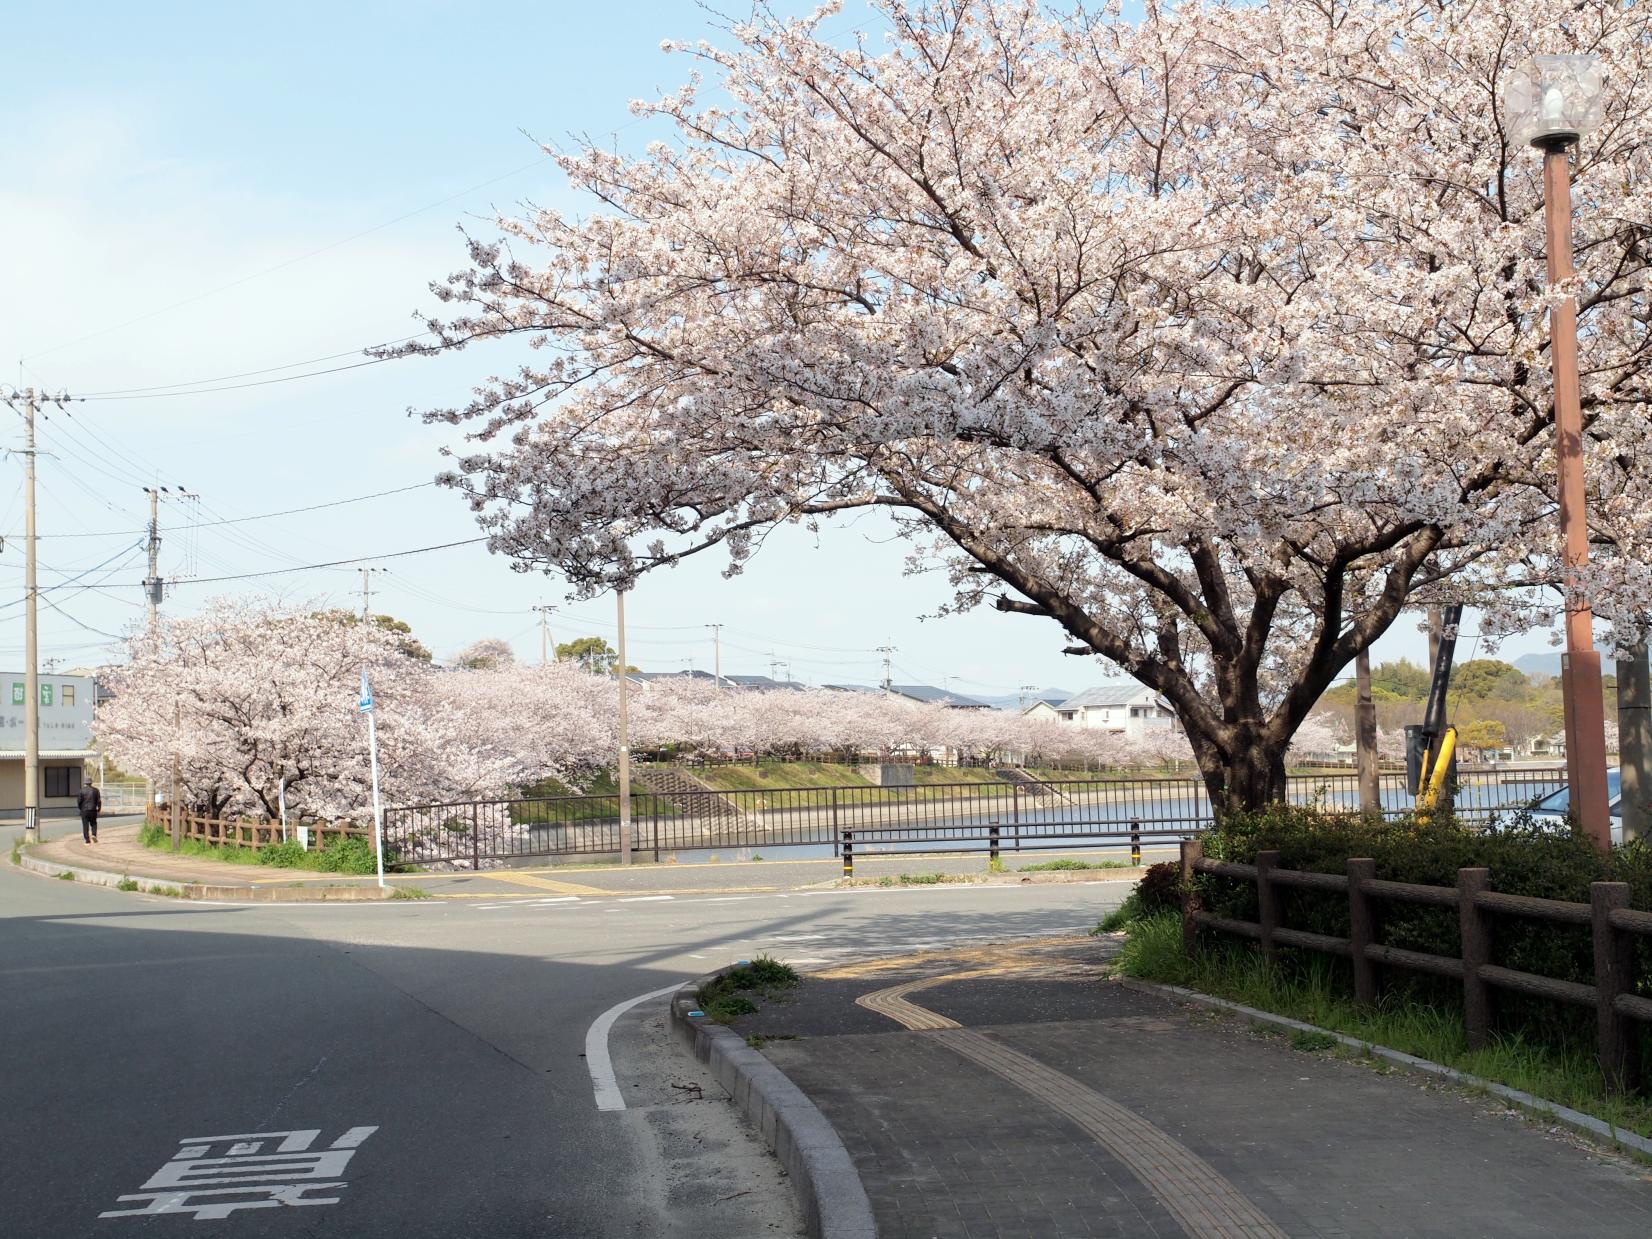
(250, 833)
(1613, 923)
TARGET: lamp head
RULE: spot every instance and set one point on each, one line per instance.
(1552, 101)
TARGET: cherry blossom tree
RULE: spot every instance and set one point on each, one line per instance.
(488, 654)
(1215, 337)
(248, 696)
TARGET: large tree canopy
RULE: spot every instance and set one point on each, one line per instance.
(1215, 336)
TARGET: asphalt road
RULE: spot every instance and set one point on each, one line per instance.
(137, 1029)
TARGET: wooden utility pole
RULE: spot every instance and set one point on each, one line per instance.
(177, 731)
(1365, 736)
(1635, 742)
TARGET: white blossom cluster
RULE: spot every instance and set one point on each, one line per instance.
(1218, 337)
(246, 695)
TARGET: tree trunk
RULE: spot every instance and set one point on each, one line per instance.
(1250, 779)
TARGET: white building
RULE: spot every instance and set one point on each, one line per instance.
(65, 738)
(1122, 706)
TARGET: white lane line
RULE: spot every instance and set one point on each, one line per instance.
(647, 898)
(597, 1062)
(540, 903)
(798, 937)
(731, 899)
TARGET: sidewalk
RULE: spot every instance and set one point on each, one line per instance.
(1015, 1092)
(118, 852)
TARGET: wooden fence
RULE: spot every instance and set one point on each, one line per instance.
(251, 833)
(1613, 923)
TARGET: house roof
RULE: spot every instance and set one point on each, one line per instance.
(940, 696)
(1110, 693)
(760, 681)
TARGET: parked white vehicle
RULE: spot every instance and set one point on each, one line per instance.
(1554, 806)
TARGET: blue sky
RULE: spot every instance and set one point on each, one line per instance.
(196, 191)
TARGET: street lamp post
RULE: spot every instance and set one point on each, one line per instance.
(1551, 103)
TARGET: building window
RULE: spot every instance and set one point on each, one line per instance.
(68, 697)
(61, 780)
(1138, 712)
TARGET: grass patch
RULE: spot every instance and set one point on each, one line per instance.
(1311, 1040)
(911, 879)
(410, 892)
(1309, 990)
(127, 884)
(353, 855)
(730, 996)
(1068, 864)
(170, 892)
(65, 876)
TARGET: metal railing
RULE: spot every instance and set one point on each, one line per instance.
(979, 816)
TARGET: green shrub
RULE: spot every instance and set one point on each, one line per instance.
(126, 884)
(725, 998)
(1524, 858)
(1159, 890)
(351, 855)
(153, 835)
(288, 854)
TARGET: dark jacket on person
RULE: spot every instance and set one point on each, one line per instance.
(90, 799)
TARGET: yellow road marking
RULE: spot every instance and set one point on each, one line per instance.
(544, 884)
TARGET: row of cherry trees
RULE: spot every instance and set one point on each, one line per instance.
(256, 702)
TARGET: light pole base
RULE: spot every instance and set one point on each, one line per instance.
(31, 825)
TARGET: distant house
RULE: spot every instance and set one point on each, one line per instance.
(65, 737)
(1122, 706)
(1547, 746)
(938, 696)
(918, 692)
(1043, 711)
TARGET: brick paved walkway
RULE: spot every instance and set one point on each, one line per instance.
(1067, 1105)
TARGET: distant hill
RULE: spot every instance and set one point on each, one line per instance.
(1539, 664)
(1014, 701)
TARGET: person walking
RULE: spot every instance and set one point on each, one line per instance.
(90, 802)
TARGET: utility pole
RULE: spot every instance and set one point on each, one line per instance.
(367, 592)
(624, 739)
(717, 652)
(888, 652)
(1635, 741)
(1021, 694)
(774, 667)
(31, 670)
(1365, 735)
(152, 583)
(545, 646)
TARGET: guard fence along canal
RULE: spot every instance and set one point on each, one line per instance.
(680, 817)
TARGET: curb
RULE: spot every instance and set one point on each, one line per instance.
(1576, 1120)
(828, 1187)
(196, 890)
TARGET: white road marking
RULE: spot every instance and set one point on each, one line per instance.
(597, 1062)
(798, 937)
(731, 899)
(647, 898)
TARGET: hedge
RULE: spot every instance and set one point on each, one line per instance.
(1524, 858)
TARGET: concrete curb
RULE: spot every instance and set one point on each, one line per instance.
(196, 890)
(828, 1186)
(1576, 1120)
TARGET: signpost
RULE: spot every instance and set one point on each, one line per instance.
(365, 705)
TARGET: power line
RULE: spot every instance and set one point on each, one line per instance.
(289, 378)
(336, 563)
(262, 516)
(244, 374)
